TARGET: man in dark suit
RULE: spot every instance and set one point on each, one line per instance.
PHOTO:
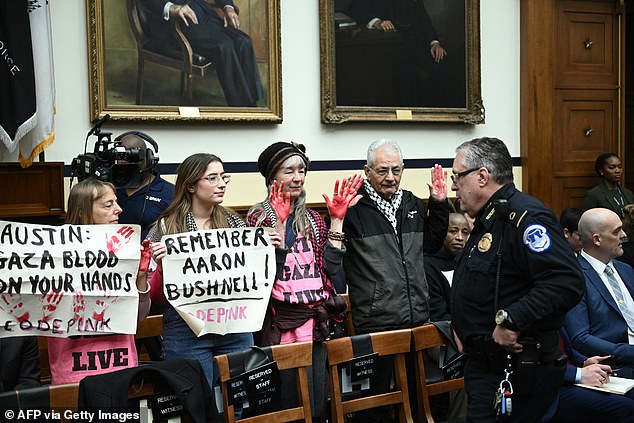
(602, 323)
(419, 51)
(19, 363)
(213, 29)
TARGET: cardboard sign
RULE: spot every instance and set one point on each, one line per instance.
(68, 280)
(220, 280)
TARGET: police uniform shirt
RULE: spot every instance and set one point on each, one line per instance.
(540, 276)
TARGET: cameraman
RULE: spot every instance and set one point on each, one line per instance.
(144, 203)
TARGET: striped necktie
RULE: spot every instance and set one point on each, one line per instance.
(620, 299)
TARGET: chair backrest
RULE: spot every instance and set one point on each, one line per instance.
(426, 337)
(349, 323)
(137, 18)
(150, 327)
(45, 367)
(393, 343)
(297, 356)
(42, 399)
(64, 397)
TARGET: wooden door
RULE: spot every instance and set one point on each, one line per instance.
(571, 95)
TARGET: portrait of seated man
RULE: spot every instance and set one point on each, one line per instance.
(394, 56)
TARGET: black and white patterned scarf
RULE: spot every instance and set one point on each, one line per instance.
(387, 207)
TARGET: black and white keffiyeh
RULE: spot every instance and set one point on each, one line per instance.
(387, 207)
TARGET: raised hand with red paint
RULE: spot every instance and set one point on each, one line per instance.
(146, 255)
(438, 186)
(116, 241)
(280, 201)
(344, 196)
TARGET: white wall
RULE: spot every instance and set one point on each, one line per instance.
(301, 97)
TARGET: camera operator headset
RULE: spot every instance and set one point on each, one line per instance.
(142, 204)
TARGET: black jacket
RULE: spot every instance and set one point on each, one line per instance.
(385, 274)
(439, 288)
(540, 276)
(19, 363)
(185, 378)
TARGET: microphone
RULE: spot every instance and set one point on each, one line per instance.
(97, 128)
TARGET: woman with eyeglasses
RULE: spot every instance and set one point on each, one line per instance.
(303, 300)
(609, 194)
(201, 185)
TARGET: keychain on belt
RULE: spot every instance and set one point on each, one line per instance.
(502, 403)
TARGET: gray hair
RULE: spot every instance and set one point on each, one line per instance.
(391, 145)
(490, 153)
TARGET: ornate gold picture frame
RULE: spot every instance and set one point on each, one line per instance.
(136, 74)
(372, 72)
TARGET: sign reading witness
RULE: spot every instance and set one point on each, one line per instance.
(219, 280)
(68, 280)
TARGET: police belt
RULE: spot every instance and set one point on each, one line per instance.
(485, 352)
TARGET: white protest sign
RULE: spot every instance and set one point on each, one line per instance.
(68, 280)
(219, 280)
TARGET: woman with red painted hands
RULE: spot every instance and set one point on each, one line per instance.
(200, 188)
(303, 299)
(303, 288)
(94, 202)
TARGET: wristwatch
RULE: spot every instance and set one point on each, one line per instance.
(503, 319)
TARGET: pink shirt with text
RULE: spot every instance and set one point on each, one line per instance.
(300, 283)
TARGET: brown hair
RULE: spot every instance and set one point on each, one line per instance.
(82, 197)
(188, 173)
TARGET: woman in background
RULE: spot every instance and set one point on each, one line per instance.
(94, 202)
(609, 193)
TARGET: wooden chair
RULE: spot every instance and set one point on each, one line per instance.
(64, 397)
(45, 367)
(182, 58)
(426, 337)
(349, 323)
(290, 356)
(395, 343)
(151, 327)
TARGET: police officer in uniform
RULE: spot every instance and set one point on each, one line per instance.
(515, 280)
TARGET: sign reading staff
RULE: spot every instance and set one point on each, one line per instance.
(68, 280)
(220, 280)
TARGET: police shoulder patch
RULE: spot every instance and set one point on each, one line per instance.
(536, 238)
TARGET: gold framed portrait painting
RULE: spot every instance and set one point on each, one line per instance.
(400, 61)
(209, 60)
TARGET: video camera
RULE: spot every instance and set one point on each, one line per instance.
(102, 163)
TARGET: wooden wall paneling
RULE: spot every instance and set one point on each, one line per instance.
(35, 191)
(536, 96)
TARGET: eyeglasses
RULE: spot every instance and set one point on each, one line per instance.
(456, 176)
(214, 179)
(383, 171)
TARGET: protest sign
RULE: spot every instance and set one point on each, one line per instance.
(219, 280)
(68, 280)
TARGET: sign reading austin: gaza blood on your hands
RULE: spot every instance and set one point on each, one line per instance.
(220, 280)
(68, 280)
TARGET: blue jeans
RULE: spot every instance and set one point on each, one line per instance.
(180, 342)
